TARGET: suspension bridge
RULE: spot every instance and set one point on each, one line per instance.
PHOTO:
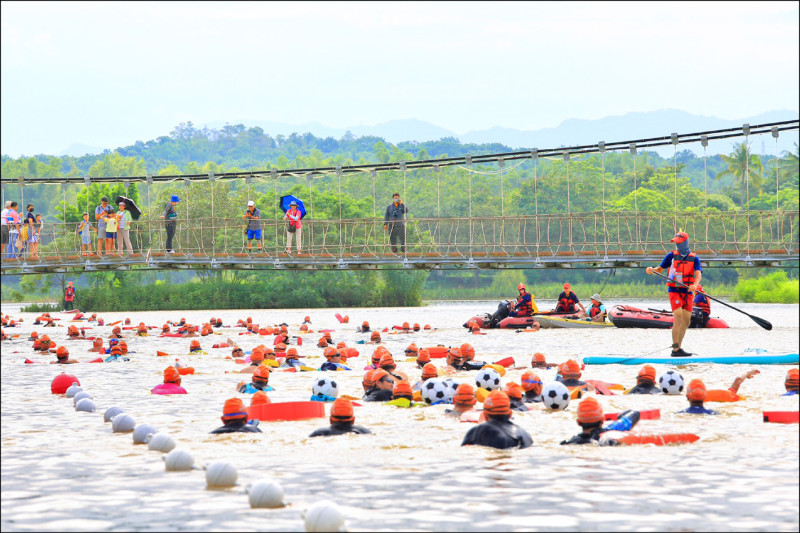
(209, 238)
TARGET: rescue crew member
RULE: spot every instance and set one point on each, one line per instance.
(567, 301)
(684, 267)
(524, 304)
(342, 421)
(69, 297)
(234, 418)
(701, 309)
(597, 311)
(498, 431)
(590, 419)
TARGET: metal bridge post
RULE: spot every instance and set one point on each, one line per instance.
(569, 203)
(339, 185)
(777, 164)
(213, 219)
(468, 160)
(601, 145)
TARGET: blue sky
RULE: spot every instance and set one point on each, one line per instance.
(108, 74)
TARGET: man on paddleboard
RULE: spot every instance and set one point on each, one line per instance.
(684, 267)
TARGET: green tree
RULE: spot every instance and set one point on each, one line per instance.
(740, 163)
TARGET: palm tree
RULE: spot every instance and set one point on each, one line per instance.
(737, 169)
(789, 165)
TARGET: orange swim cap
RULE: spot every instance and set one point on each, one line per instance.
(322, 343)
(171, 375)
(37, 344)
(379, 374)
(127, 321)
(233, 409)
(330, 352)
(341, 344)
(263, 331)
(429, 371)
(291, 353)
(423, 356)
(453, 355)
(365, 324)
(342, 412)
(792, 379)
(260, 397)
(387, 362)
(427, 326)
(368, 382)
(406, 325)
(696, 391)
(375, 336)
(62, 352)
(514, 390)
(281, 347)
(97, 342)
(284, 329)
(416, 327)
(116, 350)
(257, 355)
(376, 357)
(34, 335)
(467, 351)
(497, 404)
(464, 396)
(531, 382)
(412, 350)
(402, 389)
(123, 346)
(194, 345)
(261, 373)
(646, 375)
(303, 327)
(165, 328)
(570, 370)
(589, 411)
(45, 339)
(307, 319)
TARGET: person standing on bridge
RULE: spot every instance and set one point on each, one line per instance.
(253, 217)
(100, 213)
(684, 267)
(124, 229)
(169, 217)
(394, 223)
(295, 226)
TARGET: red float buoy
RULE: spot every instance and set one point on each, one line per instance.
(61, 383)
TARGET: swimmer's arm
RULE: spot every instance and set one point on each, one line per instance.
(734, 388)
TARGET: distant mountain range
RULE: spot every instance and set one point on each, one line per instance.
(571, 132)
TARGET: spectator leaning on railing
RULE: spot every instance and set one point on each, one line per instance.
(169, 216)
(100, 216)
(4, 222)
(123, 229)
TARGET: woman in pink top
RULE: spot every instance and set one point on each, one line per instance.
(172, 383)
(295, 227)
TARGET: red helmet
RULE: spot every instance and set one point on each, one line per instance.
(521, 287)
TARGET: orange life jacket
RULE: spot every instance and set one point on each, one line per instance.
(523, 308)
(703, 304)
(594, 311)
(69, 294)
(566, 304)
(682, 270)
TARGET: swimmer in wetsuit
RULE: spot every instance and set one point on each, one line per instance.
(514, 392)
(498, 431)
(467, 353)
(342, 421)
(423, 357)
(428, 371)
(590, 419)
(645, 382)
(696, 394)
(387, 363)
(260, 381)
(532, 385)
(792, 382)
(234, 418)
(334, 360)
(570, 373)
(463, 400)
(381, 390)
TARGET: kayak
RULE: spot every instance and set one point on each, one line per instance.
(742, 359)
(625, 316)
(559, 322)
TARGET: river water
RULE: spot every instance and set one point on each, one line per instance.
(63, 470)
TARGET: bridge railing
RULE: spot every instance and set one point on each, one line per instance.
(609, 234)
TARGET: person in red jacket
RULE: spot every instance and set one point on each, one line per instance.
(69, 297)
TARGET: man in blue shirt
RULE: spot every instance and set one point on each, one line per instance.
(253, 217)
(684, 268)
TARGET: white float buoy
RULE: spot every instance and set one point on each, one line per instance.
(123, 423)
(86, 404)
(221, 475)
(111, 412)
(324, 516)
(265, 494)
(141, 433)
(161, 442)
(80, 396)
(73, 389)
(178, 460)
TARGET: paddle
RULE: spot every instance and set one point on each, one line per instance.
(760, 321)
(662, 311)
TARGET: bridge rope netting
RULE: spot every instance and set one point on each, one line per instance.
(507, 230)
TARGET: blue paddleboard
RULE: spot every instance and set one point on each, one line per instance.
(743, 359)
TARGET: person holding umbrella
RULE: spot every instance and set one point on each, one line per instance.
(123, 228)
(253, 217)
(294, 215)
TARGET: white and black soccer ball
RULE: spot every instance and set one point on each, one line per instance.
(450, 387)
(671, 382)
(488, 378)
(325, 386)
(434, 390)
(555, 396)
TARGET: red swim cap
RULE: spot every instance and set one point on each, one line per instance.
(696, 391)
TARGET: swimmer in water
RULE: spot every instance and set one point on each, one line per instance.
(334, 360)
(364, 327)
(590, 419)
(570, 373)
(498, 431)
(342, 421)
(532, 385)
(792, 381)
(374, 338)
(260, 381)
(696, 394)
(428, 371)
(292, 359)
(645, 382)
(256, 358)
(62, 357)
(116, 355)
(538, 361)
(387, 363)
(194, 348)
(141, 330)
(467, 358)
(463, 400)
(412, 350)
(234, 418)
(375, 361)
(423, 357)
(381, 390)
(514, 392)
(172, 383)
